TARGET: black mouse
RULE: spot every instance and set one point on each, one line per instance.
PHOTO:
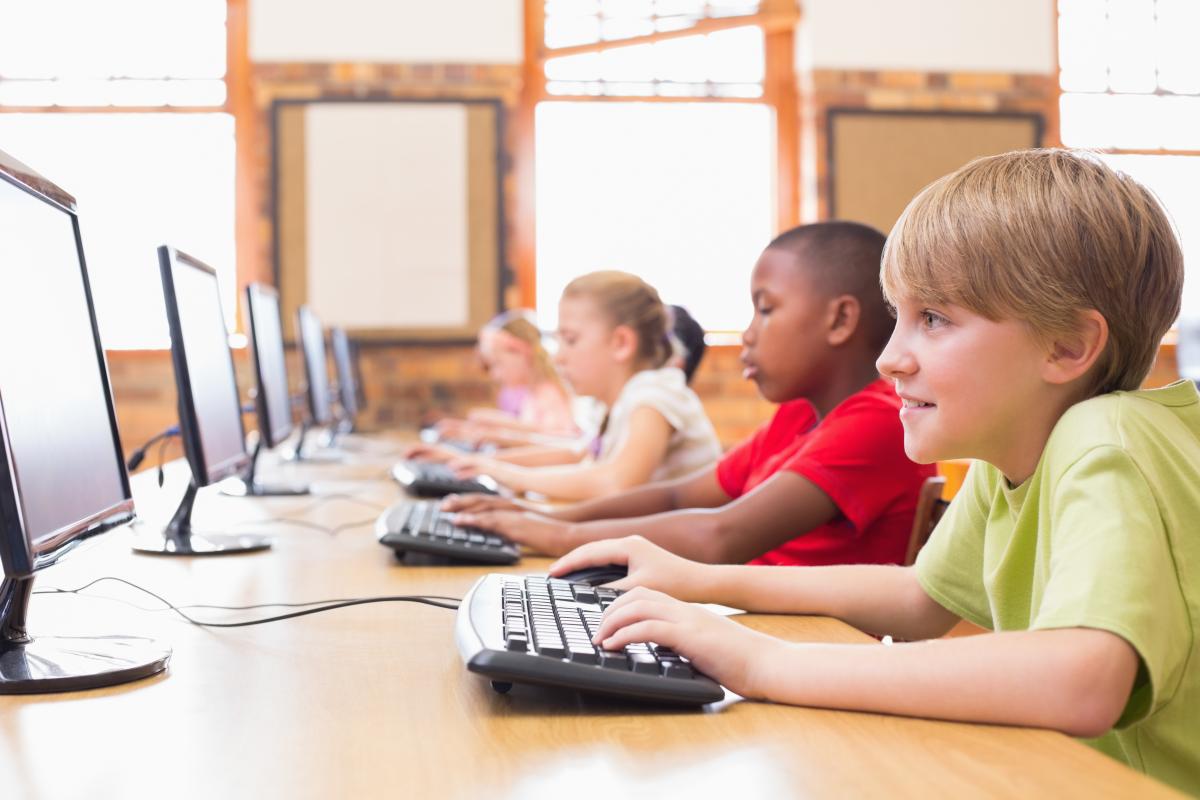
(594, 576)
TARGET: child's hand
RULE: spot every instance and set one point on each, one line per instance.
(539, 533)
(428, 452)
(649, 565)
(466, 466)
(722, 649)
(477, 502)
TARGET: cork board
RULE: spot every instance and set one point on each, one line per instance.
(878, 160)
(388, 215)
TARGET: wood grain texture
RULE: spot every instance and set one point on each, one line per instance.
(373, 701)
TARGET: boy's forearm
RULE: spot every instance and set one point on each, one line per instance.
(873, 598)
(1073, 680)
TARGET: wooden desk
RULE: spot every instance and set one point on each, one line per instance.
(373, 701)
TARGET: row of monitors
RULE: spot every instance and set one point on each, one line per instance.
(62, 475)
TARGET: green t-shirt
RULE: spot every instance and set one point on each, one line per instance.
(1105, 534)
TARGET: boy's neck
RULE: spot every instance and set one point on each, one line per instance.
(1025, 441)
(841, 384)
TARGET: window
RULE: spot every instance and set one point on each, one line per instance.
(1130, 80)
(124, 104)
(678, 181)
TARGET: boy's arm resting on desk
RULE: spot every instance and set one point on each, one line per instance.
(1075, 680)
(643, 450)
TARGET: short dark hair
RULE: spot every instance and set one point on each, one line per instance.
(690, 334)
(844, 257)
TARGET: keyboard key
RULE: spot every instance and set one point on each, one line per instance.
(581, 655)
(643, 663)
(517, 643)
(676, 669)
(554, 649)
(585, 594)
(614, 659)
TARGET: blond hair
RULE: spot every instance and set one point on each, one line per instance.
(1040, 236)
(519, 323)
(628, 300)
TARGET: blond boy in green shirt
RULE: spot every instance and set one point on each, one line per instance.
(1031, 292)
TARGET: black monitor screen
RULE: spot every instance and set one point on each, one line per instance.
(270, 363)
(316, 368)
(208, 387)
(62, 447)
(342, 361)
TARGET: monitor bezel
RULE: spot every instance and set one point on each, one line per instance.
(311, 387)
(270, 437)
(189, 426)
(19, 557)
(343, 362)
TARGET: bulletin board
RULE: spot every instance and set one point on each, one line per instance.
(878, 160)
(388, 215)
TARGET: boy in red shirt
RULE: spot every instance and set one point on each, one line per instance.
(825, 481)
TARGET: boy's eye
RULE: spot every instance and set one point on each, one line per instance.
(764, 310)
(931, 319)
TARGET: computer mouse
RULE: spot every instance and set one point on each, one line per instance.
(594, 576)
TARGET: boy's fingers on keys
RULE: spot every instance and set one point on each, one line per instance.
(641, 604)
(649, 630)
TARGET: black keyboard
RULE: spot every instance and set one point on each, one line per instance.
(430, 479)
(419, 526)
(538, 630)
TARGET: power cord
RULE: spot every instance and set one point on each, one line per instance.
(450, 603)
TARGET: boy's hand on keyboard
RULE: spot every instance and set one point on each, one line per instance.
(722, 649)
(539, 533)
(477, 502)
(649, 565)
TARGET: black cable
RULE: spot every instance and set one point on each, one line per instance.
(139, 455)
(325, 605)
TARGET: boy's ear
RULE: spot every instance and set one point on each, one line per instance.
(624, 343)
(844, 312)
(1072, 355)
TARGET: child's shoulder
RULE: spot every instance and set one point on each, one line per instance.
(1131, 421)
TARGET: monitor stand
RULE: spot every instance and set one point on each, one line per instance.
(178, 539)
(30, 665)
(248, 486)
(313, 457)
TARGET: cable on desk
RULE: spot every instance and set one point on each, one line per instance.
(323, 605)
(303, 523)
(320, 500)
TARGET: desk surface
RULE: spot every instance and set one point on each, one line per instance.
(373, 700)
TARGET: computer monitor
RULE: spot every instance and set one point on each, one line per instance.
(62, 478)
(210, 412)
(360, 393)
(347, 384)
(273, 400)
(316, 374)
(316, 366)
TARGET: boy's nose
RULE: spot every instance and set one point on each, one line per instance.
(895, 360)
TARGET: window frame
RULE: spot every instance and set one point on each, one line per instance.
(239, 103)
(778, 20)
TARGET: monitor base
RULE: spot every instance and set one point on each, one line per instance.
(178, 538)
(70, 664)
(240, 488)
(201, 544)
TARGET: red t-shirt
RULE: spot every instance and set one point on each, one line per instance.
(856, 456)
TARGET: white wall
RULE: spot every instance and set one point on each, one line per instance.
(396, 31)
(928, 35)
